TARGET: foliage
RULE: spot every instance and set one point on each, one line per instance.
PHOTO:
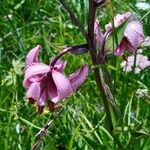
(27, 23)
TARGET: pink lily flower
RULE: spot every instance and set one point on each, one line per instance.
(133, 35)
(44, 82)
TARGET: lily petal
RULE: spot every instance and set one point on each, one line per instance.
(34, 70)
(77, 78)
(33, 91)
(63, 86)
(32, 56)
(52, 89)
(60, 65)
(43, 97)
(118, 20)
(134, 33)
(121, 48)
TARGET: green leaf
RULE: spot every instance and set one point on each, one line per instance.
(92, 143)
(19, 5)
(73, 136)
(29, 123)
(113, 117)
(91, 127)
(141, 133)
(106, 133)
(8, 80)
(3, 110)
(17, 66)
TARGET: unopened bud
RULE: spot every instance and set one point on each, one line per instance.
(79, 49)
(99, 3)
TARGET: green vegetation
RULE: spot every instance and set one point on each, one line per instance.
(81, 125)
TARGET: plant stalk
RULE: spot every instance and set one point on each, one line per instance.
(92, 49)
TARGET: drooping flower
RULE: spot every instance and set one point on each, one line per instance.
(141, 63)
(133, 34)
(48, 83)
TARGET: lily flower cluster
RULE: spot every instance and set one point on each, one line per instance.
(47, 83)
(132, 37)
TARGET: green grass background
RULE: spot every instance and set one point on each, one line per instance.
(81, 125)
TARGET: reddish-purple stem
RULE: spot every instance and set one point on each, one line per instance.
(91, 20)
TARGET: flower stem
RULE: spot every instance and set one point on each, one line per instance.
(92, 49)
(73, 49)
(40, 135)
(101, 54)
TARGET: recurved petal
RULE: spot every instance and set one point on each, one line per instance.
(118, 20)
(78, 77)
(43, 98)
(26, 83)
(121, 48)
(32, 56)
(52, 89)
(60, 65)
(35, 71)
(33, 92)
(63, 86)
(134, 33)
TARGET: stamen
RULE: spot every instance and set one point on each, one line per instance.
(31, 100)
(40, 109)
(51, 106)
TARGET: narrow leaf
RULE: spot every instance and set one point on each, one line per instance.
(29, 123)
(73, 136)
